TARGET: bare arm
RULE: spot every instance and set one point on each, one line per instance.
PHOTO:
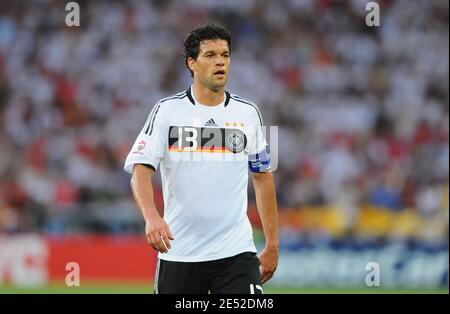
(267, 207)
(156, 229)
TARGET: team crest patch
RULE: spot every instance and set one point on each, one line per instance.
(235, 140)
(141, 145)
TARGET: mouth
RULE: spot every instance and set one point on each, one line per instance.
(219, 73)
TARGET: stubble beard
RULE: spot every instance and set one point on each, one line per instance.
(216, 85)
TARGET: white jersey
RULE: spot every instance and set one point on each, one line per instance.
(204, 154)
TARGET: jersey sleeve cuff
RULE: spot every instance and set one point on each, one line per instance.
(148, 163)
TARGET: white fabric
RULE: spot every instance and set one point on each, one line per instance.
(205, 194)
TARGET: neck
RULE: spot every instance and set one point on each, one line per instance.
(207, 96)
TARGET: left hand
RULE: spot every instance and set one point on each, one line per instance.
(269, 262)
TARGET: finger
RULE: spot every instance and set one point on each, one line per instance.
(169, 234)
(150, 241)
(266, 272)
(155, 242)
(165, 241)
(160, 243)
(267, 278)
(263, 277)
(263, 271)
(270, 272)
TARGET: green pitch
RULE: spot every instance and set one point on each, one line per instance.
(147, 288)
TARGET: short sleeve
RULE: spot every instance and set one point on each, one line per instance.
(259, 158)
(150, 145)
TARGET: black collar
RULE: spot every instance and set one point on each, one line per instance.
(191, 99)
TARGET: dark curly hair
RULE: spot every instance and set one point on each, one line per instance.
(205, 32)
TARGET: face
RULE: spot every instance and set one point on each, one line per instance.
(212, 64)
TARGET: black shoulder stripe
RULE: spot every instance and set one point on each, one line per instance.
(181, 96)
(250, 104)
(174, 95)
(236, 97)
(150, 118)
(156, 108)
(153, 120)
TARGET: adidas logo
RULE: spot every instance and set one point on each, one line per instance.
(210, 122)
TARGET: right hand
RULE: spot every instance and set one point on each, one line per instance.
(158, 234)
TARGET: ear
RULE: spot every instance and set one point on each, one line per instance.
(192, 64)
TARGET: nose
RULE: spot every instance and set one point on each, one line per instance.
(220, 61)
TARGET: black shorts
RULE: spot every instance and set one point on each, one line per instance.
(237, 274)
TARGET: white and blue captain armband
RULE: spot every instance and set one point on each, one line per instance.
(259, 162)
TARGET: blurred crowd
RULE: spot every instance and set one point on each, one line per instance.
(362, 112)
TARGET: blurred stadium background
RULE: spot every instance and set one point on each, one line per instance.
(363, 171)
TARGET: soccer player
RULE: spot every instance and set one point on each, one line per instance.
(205, 140)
